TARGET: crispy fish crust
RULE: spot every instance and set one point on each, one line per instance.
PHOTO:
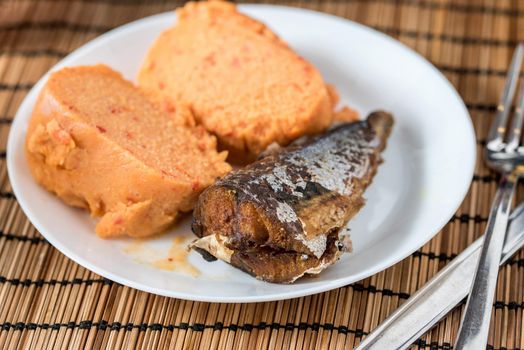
(282, 216)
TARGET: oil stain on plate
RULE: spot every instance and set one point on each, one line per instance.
(175, 259)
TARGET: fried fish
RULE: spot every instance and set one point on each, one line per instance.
(284, 215)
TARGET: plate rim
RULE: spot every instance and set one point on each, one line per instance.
(328, 285)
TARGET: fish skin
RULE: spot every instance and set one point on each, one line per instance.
(302, 195)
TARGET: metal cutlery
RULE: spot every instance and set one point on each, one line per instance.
(475, 270)
(440, 295)
(503, 154)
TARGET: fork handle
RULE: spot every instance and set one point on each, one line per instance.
(473, 332)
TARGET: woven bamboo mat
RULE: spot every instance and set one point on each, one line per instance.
(48, 301)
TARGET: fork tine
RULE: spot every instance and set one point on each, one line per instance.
(498, 128)
(516, 126)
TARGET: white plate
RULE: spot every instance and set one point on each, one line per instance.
(427, 171)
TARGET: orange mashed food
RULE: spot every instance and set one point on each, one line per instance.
(242, 82)
(135, 159)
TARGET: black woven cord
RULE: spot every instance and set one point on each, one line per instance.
(433, 256)
(200, 327)
(453, 6)
(56, 24)
(454, 39)
(40, 282)
(134, 2)
(98, 29)
(196, 327)
(22, 238)
(464, 218)
(483, 107)
(15, 87)
(423, 4)
(486, 178)
(448, 257)
(422, 344)
(473, 71)
(374, 290)
(35, 53)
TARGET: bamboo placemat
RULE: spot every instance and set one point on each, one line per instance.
(48, 301)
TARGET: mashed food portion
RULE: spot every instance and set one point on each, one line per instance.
(136, 160)
(242, 82)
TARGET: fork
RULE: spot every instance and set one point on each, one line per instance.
(504, 154)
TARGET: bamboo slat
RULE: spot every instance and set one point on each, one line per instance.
(49, 302)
